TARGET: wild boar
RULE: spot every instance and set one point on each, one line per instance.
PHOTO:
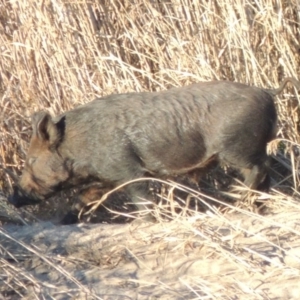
(121, 137)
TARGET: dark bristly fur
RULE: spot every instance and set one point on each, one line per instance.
(122, 137)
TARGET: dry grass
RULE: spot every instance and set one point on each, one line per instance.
(58, 54)
(237, 255)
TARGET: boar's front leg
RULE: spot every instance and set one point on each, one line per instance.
(84, 197)
(137, 191)
(127, 166)
(142, 199)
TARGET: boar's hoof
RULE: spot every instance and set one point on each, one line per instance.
(18, 199)
(70, 218)
(148, 218)
(264, 186)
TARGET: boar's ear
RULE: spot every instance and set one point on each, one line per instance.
(45, 129)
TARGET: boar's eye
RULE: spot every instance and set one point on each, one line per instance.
(31, 161)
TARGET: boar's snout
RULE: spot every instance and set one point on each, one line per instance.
(19, 198)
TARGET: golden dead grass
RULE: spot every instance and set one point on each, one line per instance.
(58, 54)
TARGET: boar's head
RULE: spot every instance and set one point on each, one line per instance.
(45, 169)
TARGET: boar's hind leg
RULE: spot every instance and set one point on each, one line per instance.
(252, 161)
(257, 177)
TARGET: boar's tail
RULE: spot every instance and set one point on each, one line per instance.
(277, 91)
